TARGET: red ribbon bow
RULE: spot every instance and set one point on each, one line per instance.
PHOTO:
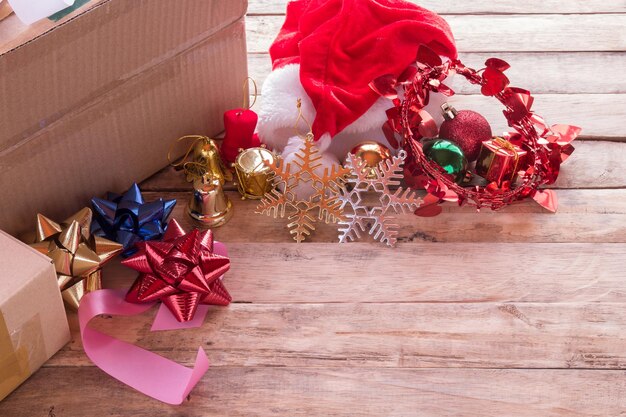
(181, 271)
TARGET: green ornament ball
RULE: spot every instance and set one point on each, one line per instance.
(447, 155)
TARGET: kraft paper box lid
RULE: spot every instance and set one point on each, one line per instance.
(91, 103)
(33, 322)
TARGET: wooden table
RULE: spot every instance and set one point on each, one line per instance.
(516, 313)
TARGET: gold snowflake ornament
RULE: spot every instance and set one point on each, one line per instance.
(378, 219)
(302, 214)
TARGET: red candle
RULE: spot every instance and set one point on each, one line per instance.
(239, 125)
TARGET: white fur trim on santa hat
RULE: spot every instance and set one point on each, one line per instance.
(278, 113)
(326, 161)
(280, 93)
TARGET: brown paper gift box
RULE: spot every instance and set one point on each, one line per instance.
(92, 102)
(5, 9)
(33, 325)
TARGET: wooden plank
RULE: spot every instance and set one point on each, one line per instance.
(599, 115)
(590, 216)
(539, 72)
(594, 164)
(425, 329)
(519, 33)
(418, 272)
(476, 335)
(333, 392)
(480, 6)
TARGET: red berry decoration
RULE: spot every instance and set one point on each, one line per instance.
(466, 128)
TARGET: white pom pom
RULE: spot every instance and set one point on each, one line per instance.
(304, 190)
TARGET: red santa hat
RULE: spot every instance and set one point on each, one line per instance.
(329, 51)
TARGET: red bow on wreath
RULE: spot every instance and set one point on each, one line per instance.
(181, 271)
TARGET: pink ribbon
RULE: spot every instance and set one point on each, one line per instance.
(147, 372)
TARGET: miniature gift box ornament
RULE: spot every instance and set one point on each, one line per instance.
(499, 160)
(239, 125)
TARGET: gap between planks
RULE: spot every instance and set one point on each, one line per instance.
(599, 115)
(586, 216)
(416, 335)
(418, 272)
(521, 33)
(539, 72)
(454, 7)
(271, 391)
(594, 164)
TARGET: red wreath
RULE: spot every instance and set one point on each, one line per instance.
(547, 146)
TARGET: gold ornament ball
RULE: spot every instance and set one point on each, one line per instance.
(372, 153)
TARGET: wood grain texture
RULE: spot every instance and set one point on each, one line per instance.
(499, 33)
(515, 313)
(265, 7)
(409, 335)
(539, 72)
(594, 164)
(599, 115)
(418, 272)
(337, 391)
(583, 216)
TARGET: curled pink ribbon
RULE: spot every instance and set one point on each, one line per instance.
(145, 371)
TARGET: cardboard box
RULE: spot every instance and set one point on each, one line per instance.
(92, 102)
(33, 324)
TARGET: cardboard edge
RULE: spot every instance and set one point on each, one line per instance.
(17, 140)
(25, 245)
(89, 8)
(41, 256)
(86, 106)
(86, 8)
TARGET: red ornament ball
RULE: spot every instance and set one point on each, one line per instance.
(467, 129)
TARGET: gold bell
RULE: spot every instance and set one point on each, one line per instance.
(208, 204)
(207, 161)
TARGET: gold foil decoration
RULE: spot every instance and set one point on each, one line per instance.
(205, 159)
(78, 255)
(253, 174)
(208, 204)
(372, 153)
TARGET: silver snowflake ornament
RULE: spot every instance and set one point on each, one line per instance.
(361, 213)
